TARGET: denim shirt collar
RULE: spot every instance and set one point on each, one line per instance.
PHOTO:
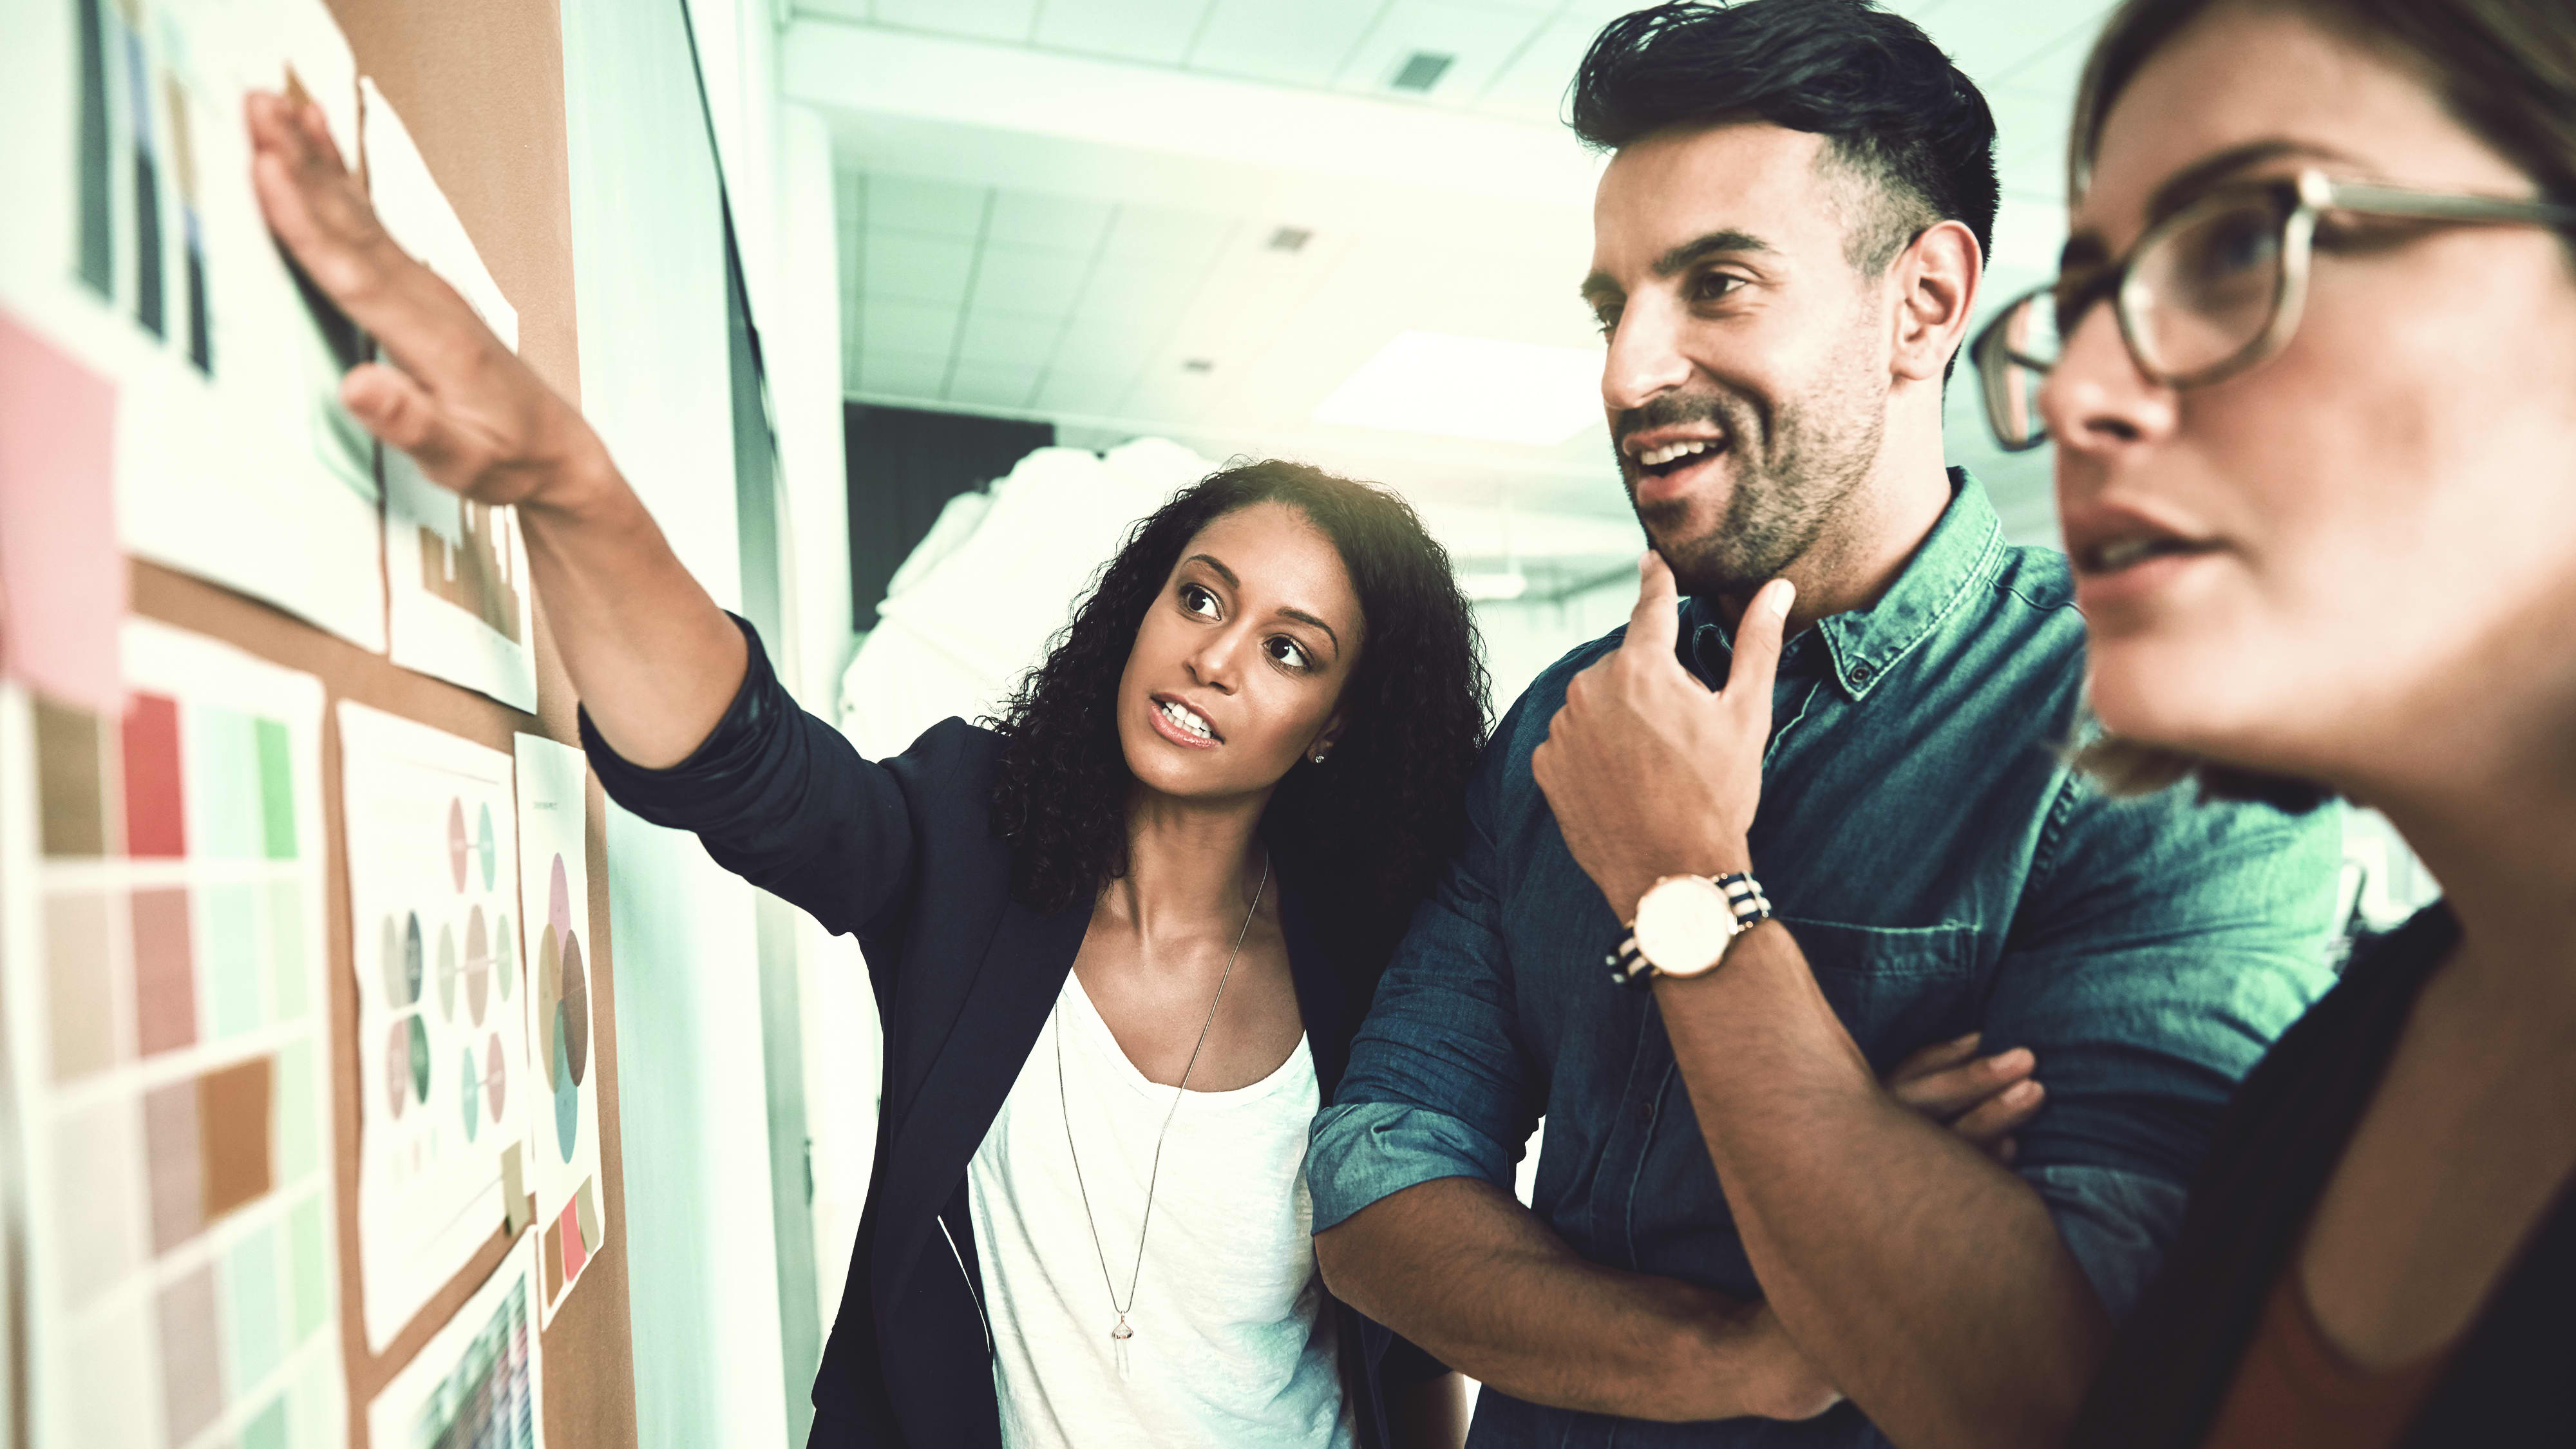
(1859, 647)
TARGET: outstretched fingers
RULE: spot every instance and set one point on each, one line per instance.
(1655, 623)
(325, 222)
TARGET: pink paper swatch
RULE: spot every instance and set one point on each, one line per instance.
(62, 580)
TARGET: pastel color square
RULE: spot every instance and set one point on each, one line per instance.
(192, 1376)
(284, 938)
(231, 941)
(226, 809)
(165, 972)
(276, 789)
(255, 1311)
(299, 1130)
(267, 1428)
(236, 1111)
(71, 781)
(155, 817)
(98, 1190)
(313, 1413)
(174, 1148)
(310, 1262)
(80, 994)
(110, 1396)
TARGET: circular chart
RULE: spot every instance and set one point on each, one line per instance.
(576, 1011)
(478, 966)
(472, 1079)
(397, 1069)
(419, 1054)
(567, 1094)
(549, 989)
(456, 846)
(402, 965)
(496, 1079)
(447, 973)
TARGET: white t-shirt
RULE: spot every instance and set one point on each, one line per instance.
(1233, 1344)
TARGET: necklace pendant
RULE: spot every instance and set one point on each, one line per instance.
(1122, 1331)
(1118, 1344)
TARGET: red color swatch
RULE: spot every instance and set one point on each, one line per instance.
(575, 1251)
(155, 822)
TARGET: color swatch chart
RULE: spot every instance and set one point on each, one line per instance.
(169, 1051)
(442, 1028)
(564, 1148)
(480, 1382)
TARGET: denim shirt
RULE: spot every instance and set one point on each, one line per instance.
(1942, 869)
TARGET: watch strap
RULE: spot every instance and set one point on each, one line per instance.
(1744, 899)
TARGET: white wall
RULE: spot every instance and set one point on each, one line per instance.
(648, 269)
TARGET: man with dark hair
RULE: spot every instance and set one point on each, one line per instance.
(1725, 866)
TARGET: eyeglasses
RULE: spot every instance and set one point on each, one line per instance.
(2208, 292)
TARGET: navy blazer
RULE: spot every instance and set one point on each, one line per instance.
(901, 853)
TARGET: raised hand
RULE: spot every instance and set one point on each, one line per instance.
(475, 417)
(1648, 772)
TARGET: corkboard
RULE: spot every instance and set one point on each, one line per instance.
(479, 83)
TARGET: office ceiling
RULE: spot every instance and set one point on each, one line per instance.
(1198, 217)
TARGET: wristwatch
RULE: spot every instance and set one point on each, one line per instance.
(1684, 925)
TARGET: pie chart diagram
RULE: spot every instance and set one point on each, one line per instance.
(478, 966)
(576, 1011)
(402, 964)
(496, 1079)
(472, 1077)
(419, 1054)
(456, 841)
(397, 1070)
(567, 1095)
(491, 857)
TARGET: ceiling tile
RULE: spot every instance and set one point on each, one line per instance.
(1533, 85)
(980, 19)
(1029, 279)
(1301, 42)
(1184, 239)
(1109, 344)
(1008, 337)
(1479, 38)
(836, 9)
(920, 204)
(1137, 294)
(1149, 30)
(902, 374)
(1093, 390)
(1988, 41)
(906, 267)
(921, 328)
(1031, 218)
(993, 385)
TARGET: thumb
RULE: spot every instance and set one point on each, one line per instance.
(1655, 624)
(1757, 644)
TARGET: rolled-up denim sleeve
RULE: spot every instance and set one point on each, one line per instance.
(2164, 945)
(1438, 1083)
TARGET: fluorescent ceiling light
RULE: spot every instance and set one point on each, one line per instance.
(1471, 387)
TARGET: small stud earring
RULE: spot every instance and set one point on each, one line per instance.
(1318, 757)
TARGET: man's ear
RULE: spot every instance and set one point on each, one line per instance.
(1936, 282)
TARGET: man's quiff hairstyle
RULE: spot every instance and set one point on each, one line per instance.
(1911, 134)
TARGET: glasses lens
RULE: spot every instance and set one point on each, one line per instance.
(2013, 357)
(2204, 290)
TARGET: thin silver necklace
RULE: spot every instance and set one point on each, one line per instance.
(1119, 1333)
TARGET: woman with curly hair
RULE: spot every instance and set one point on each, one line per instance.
(1119, 937)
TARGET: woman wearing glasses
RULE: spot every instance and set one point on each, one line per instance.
(2311, 370)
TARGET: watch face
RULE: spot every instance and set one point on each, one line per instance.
(1683, 925)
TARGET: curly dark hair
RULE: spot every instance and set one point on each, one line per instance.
(1367, 832)
(1901, 118)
